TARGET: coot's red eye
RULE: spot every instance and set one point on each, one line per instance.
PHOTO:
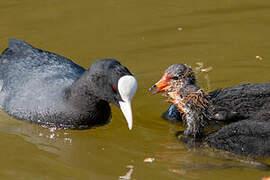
(114, 88)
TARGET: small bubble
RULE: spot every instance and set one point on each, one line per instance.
(52, 136)
(68, 140)
(52, 129)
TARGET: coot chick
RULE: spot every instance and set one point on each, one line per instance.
(49, 89)
(179, 84)
(248, 137)
(235, 103)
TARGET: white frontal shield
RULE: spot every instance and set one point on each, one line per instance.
(127, 86)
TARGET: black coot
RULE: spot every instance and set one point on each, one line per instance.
(49, 89)
(249, 137)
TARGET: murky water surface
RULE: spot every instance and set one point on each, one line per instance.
(146, 36)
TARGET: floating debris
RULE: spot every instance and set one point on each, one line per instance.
(259, 57)
(128, 174)
(149, 160)
(201, 69)
(180, 29)
(178, 171)
(207, 69)
(266, 178)
(200, 65)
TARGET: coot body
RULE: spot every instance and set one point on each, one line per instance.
(46, 88)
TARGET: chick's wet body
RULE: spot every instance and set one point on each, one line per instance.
(192, 103)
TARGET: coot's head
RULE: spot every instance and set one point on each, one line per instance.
(176, 76)
(114, 84)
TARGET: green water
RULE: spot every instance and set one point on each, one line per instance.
(147, 37)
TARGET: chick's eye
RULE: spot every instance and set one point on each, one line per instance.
(175, 78)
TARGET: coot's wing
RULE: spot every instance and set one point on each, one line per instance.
(21, 61)
(29, 75)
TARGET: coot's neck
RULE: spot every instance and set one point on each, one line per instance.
(83, 93)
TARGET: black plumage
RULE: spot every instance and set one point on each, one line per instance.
(49, 89)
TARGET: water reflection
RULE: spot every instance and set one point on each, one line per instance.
(127, 176)
(48, 139)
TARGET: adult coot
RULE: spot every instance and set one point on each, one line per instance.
(49, 89)
(250, 137)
